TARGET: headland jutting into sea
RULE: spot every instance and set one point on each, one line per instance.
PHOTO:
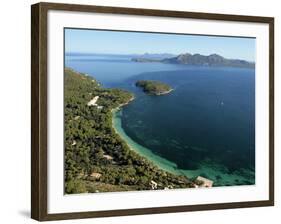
(99, 156)
(107, 143)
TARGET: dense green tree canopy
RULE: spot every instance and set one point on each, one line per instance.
(153, 87)
(96, 158)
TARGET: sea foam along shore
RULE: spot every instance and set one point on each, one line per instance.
(166, 92)
(141, 150)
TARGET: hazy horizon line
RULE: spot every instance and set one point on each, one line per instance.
(138, 54)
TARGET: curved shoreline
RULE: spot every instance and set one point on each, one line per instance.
(164, 93)
(160, 162)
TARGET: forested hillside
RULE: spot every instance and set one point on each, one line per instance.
(96, 158)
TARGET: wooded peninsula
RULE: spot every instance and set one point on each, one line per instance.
(96, 158)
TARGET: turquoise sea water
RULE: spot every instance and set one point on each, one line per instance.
(206, 126)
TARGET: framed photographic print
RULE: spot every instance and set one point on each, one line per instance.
(138, 111)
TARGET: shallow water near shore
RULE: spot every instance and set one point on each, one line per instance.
(145, 152)
(206, 168)
(205, 126)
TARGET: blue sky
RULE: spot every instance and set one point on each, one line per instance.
(116, 42)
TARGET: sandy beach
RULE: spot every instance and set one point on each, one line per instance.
(158, 161)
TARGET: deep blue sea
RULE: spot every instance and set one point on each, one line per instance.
(205, 127)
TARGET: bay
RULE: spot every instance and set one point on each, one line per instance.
(205, 126)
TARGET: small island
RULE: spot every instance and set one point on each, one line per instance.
(154, 87)
(97, 159)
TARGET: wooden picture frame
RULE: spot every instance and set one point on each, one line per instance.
(39, 110)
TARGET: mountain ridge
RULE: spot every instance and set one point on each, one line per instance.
(198, 59)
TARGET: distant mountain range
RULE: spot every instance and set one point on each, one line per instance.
(157, 56)
(197, 59)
